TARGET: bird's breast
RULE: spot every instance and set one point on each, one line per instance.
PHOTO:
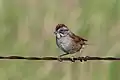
(65, 42)
(67, 45)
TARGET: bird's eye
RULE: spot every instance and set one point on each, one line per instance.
(65, 30)
(62, 31)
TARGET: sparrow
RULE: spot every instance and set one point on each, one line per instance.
(67, 41)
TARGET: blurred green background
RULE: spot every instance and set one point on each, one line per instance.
(27, 26)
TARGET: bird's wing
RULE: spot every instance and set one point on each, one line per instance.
(77, 38)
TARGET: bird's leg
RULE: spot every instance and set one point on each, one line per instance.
(59, 57)
(72, 59)
(81, 51)
(80, 58)
(63, 54)
(82, 48)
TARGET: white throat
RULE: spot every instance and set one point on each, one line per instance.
(59, 35)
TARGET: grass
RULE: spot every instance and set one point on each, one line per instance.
(26, 29)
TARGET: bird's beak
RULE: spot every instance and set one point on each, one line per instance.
(55, 32)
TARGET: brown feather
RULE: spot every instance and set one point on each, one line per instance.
(60, 26)
(78, 39)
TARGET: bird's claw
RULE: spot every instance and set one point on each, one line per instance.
(80, 58)
(59, 59)
(86, 58)
(72, 59)
(83, 58)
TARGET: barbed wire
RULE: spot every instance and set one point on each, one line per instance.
(73, 59)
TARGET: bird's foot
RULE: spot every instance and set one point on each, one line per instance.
(72, 59)
(86, 58)
(80, 58)
(59, 59)
(83, 58)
